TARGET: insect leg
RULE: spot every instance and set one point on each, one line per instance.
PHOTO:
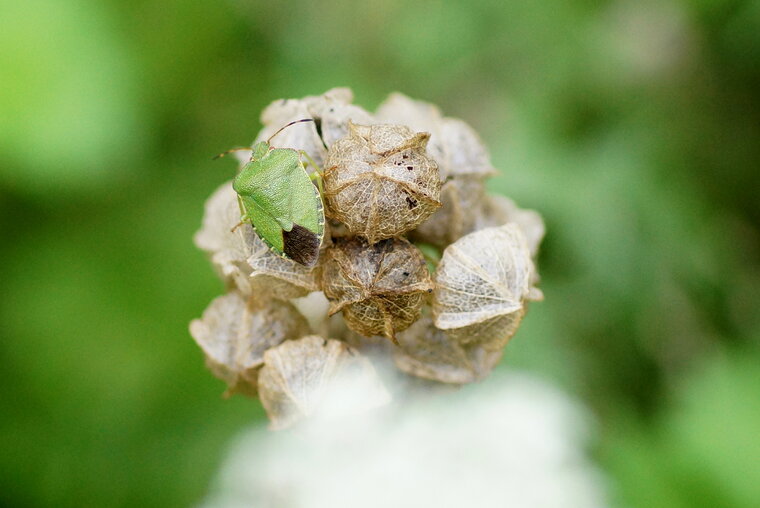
(237, 226)
(317, 175)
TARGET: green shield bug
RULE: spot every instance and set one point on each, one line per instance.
(278, 198)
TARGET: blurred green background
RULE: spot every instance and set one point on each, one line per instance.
(633, 127)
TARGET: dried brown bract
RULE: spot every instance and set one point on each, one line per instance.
(430, 353)
(482, 284)
(379, 288)
(379, 181)
(303, 376)
(234, 333)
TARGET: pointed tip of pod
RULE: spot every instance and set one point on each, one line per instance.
(301, 245)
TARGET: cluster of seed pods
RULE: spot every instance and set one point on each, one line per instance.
(419, 265)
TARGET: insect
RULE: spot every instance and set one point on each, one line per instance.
(278, 198)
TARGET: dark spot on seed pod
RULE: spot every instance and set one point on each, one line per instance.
(405, 156)
(410, 168)
(411, 202)
(430, 290)
(406, 274)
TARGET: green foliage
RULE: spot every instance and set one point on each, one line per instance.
(631, 126)
(702, 450)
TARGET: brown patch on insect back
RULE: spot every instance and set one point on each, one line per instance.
(301, 245)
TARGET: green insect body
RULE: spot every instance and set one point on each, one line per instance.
(278, 198)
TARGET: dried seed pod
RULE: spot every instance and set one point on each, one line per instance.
(234, 333)
(492, 334)
(301, 136)
(242, 259)
(497, 210)
(453, 143)
(303, 376)
(276, 277)
(463, 162)
(379, 182)
(462, 199)
(380, 288)
(482, 276)
(228, 249)
(332, 112)
(429, 353)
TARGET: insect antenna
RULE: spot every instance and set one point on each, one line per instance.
(288, 125)
(230, 151)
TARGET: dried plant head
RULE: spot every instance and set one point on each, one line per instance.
(303, 376)
(244, 261)
(379, 181)
(429, 353)
(483, 276)
(379, 288)
(234, 333)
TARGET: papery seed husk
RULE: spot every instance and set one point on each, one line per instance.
(497, 210)
(430, 353)
(481, 276)
(492, 334)
(299, 136)
(228, 249)
(461, 200)
(300, 377)
(379, 181)
(333, 111)
(453, 143)
(234, 332)
(379, 288)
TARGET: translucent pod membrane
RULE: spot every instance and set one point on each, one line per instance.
(453, 143)
(483, 282)
(379, 288)
(331, 112)
(234, 333)
(462, 199)
(315, 375)
(464, 165)
(379, 181)
(242, 259)
(427, 352)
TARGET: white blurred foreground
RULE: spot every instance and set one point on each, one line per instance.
(514, 441)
